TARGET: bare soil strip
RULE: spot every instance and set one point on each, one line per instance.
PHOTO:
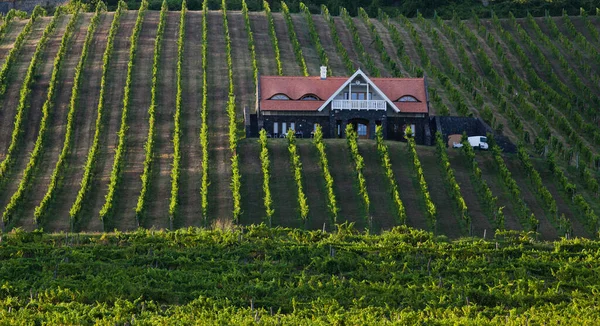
(314, 186)
(83, 130)
(409, 192)
(369, 45)
(382, 207)
(345, 183)
(113, 106)
(346, 39)
(131, 182)
(283, 186)
(10, 36)
(58, 123)
(36, 100)
(220, 202)
(265, 56)
(160, 188)
(447, 221)
(253, 208)
(462, 173)
(242, 64)
(10, 99)
(191, 152)
(311, 57)
(335, 62)
(286, 50)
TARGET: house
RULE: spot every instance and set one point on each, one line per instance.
(300, 103)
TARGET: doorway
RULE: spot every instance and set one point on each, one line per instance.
(361, 126)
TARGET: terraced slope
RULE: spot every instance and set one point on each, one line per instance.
(530, 89)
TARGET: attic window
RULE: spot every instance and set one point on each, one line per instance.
(309, 97)
(280, 97)
(407, 98)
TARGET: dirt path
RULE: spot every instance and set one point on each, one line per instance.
(335, 62)
(33, 116)
(10, 100)
(159, 195)
(346, 40)
(383, 209)
(115, 87)
(401, 165)
(191, 154)
(283, 186)
(8, 40)
(314, 186)
(311, 57)
(243, 77)
(129, 188)
(447, 221)
(83, 130)
(479, 220)
(253, 208)
(286, 50)
(220, 203)
(345, 184)
(369, 45)
(265, 56)
(58, 123)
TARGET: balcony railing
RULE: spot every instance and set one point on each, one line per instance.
(358, 105)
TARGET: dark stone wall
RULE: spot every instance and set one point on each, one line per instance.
(472, 126)
(303, 124)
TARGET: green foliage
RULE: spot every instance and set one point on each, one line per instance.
(28, 174)
(296, 166)
(116, 175)
(23, 106)
(359, 165)
(386, 163)
(273, 35)
(140, 208)
(430, 208)
(251, 46)
(341, 50)
(49, 197)
(204, 114)
(390, 64)
(294, 39)
(400, 46)
(358, 45)
(324, 163)
(314, 36)
(176, 169)
(93, 152)
(265, 163)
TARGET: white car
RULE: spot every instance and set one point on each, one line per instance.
(475, 141)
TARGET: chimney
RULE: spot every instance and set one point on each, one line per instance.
(323, 72)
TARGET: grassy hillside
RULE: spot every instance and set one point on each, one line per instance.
(534, 79)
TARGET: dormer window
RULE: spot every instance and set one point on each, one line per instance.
(407, 98)
(309, 97)
(280, 96)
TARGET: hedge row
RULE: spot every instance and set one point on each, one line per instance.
(358, 45)
(273, 35)
(324, 163)
(429, 205)
(297, 170)
(28, 174)
(452, 185)
(116, 175)
(339, 46)
(251, 46)
(265, 164)
(487, 199)
(314, 37)
(175, 170)
(293, 38)
(140, 208)
(386, 163)
(24, 95)
(93, 152)
(204, 113)
(16, 48)
(359, 165)
(41, 209)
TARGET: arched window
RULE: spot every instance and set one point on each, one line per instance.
(309, 97)
(407, 98)
(280, 96)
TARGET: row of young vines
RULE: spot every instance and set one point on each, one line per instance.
(386, 163)
(265, 164)
(204, 114)
(359, 165)
(324, 163)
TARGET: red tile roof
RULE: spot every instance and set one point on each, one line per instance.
(297, 86)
